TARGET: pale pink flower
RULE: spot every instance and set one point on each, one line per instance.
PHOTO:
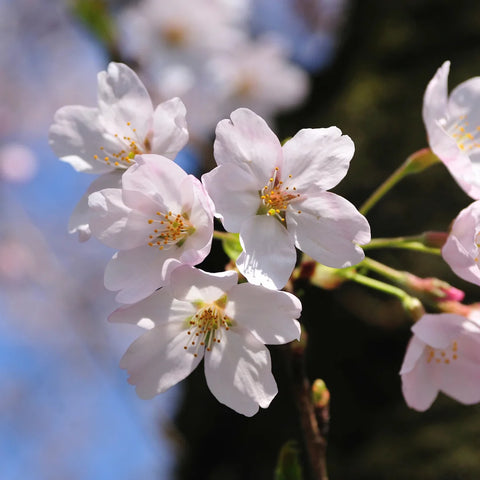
(160, 219)
(442, 356)
(106, 139)
(462, 248)
(208, 315)
(276, 197)
(18, 163)
(453, 127)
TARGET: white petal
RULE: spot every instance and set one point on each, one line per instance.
(76, 136)
(465, 100)
(159, 307)
(137, 273)
(319, 156)
(247, 141)
(234, 192)
(157, 360)
(158, 177)
(124, 102)
(329, 229)
(417, 386)
(238, 372)
(414, 351)
(269, 254)
(269, 314)
(192, 284)
(114, 223)
(435, 98)
(170, 132)
(79, 220)
(440, 330)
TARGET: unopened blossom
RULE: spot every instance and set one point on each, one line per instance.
(106, 139)
(160, 219)
(442, 356)
(210, 316)
(276, 197)
(462, 248)
(453, 127)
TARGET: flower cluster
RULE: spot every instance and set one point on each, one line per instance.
(160, 221)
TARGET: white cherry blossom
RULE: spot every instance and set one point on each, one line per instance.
(210, 316)
(276, 197)
(453, 127)
(160, 219)
(462, 248)
(442, 356)
(107, 138)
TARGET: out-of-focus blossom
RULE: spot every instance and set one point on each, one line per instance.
(276, 197)
(106, 139)
(442, 356)
(18, 163)
(259, 76)
(453, 127)
(207, 315)
(160, 219)
(182, 32)
(462, 248)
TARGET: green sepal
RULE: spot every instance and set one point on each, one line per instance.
(288, 464)
(231, 246)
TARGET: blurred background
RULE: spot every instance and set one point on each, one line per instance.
(66, 410)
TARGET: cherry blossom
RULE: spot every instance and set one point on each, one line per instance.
(208, 315)
(276, 197)
(106, 139)
(442, 356)
(160, 219)
(462, 248)
(453, 127)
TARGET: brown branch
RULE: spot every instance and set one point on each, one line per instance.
(313, 416)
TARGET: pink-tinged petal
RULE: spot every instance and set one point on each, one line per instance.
(170, 132)
(460, 166)
(157, 177)
(192, 284)
(435, 98)
(269, 254)
(79, 220)
(234, 192)
(137, 273)
(464, 100)
(317, 156)
(115, 224)
(418, 388)
(413, 354)
(159, 307)
(460, 378)
(270, 315)
(329, 229)
(124, 102)
(76, 136)
(238, 372)
(157, 360)
(247, 141)
(439, 330)
(460, 250)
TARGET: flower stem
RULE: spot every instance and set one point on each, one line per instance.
(222, 235)
(415, 163)
(418, 243)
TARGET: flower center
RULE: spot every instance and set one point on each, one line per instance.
(128, 147)
(443, 356)
(169, 229)
(467, 138)
(275, 197)
(206, 327)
